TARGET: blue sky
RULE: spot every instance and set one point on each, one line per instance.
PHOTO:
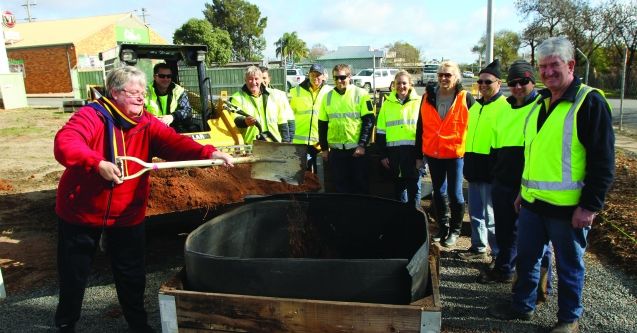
(438, 28)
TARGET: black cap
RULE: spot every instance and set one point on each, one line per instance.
(316, 68)
(520, 69)
(493, 69)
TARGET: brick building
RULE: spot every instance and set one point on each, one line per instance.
(49, 53)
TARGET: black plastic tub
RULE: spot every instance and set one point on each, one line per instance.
(320, 246)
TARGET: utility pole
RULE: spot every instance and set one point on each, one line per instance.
(489, 55)
(144, 15)
(28, 5)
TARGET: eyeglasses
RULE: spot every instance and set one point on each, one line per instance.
(445, 75)
(522, 82)
(134, 94)
(341, 77)
(487, 82)
(164, 76)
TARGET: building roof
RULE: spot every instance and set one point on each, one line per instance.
(352, 52)
(67, 31)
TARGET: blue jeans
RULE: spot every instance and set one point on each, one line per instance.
(482, 221)
(403, 187)
(446, 179)
(569, 244)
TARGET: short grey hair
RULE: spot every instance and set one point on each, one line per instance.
(118, 78)
(556, 46)
(253, 71)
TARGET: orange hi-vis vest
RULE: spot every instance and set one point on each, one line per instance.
(444, 138)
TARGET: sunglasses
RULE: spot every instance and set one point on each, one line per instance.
(341, 77)
(445, 75)
(164, 76)
(487, 82)
(523, 82)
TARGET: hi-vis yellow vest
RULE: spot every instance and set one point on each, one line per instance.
(398, 121)
(306, 107)
(343, 114)
(153, 106)
(554, 159)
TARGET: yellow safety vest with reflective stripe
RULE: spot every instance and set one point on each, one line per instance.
(343, 114)
(480, 122)
(306, 105)
(555, 160)
(508, 126)
(269, 118)
(282, 102)
(161, 110)
(398, 121)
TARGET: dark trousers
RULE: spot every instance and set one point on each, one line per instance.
(350, 174)
(76, 249)
(311, 159)
(506, 225)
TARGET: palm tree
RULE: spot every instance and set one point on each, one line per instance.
(290, 47)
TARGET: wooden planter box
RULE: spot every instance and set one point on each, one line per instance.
(190, 311)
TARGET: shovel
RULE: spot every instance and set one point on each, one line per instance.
(280, 162)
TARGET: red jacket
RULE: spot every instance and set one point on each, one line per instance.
(83, 195)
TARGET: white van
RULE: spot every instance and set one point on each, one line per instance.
(383, 78)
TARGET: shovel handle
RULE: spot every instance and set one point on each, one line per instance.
(146, 166)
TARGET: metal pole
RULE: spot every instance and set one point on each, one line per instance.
(587, 65)
(201, 76)
(489, 45)
(623, 86)
(374, 75)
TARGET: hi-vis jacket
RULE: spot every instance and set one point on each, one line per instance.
(264, 108)
(507, 141)
(344, 115)
(167, 104)
(306, 104)
(477, 159)
(397, 121)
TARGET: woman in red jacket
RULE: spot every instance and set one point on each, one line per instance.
(92, 198)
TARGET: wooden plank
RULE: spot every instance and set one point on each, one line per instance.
(214, 312)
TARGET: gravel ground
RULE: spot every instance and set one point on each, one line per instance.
(609, 300)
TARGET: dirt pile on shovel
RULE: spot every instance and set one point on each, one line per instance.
(208, 188)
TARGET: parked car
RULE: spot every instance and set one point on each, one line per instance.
(294, 76)
(468, 74)
(382, 78)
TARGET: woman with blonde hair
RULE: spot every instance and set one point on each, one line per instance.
(441, 133)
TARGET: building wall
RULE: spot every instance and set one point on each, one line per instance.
(47, 68)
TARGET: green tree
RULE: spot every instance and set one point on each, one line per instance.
(290, 47)
(243, 21)
(406, 52)
(505, 47)
(198, 31)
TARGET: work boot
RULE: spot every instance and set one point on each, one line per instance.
(562, 327)
(472, 255)
(491, 276)
(451, 240)
(542, 287)
(442, 218)
(441, 234)
(505, 311)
